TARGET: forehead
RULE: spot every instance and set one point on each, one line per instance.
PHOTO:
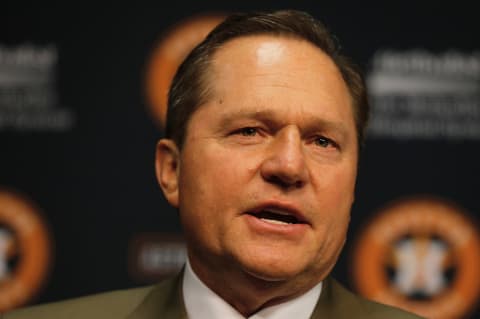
(255, 67)
(267, 49)
(265, 41)
(266, 56)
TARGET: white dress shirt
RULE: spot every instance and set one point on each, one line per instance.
(202, 303)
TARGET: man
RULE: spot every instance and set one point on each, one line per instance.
(264, 126)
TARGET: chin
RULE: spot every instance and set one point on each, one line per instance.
(273, 270)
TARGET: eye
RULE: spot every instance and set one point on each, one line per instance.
(247, 135)
(323, 142)
(247, 131)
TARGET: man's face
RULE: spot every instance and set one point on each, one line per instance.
(265, 180)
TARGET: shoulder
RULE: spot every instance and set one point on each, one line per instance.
(105, 305)
(339, 302)
(109, 305)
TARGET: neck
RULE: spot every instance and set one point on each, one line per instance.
(249, 294)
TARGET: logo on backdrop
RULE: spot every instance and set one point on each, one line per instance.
(28, 93)
(420, 254)
(25, 250)
(153, 256)
(168, 55)
(420, 95)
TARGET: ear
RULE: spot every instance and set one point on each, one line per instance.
(167, 169)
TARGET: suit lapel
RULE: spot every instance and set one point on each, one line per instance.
(333, 302)
(165, 301)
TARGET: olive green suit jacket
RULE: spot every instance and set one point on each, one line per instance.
(165, 301)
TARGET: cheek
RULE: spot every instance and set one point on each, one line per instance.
(208, 182)
(214, 168)
(338, 186)
(334, 197)
(335, 202)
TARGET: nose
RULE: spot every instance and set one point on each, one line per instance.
(285, 163)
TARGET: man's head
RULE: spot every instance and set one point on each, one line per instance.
(263, 171)
(191, 86)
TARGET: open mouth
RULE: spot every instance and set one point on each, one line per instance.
(276, 216)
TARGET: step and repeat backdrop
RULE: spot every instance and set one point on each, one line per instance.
(82, 104)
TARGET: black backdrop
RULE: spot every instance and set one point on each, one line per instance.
(93, 179)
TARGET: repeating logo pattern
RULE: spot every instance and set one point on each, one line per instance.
(25, 250)
(420, 254)
(168, 55)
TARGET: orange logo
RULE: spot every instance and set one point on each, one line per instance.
(422, 255)
(169, 54)
(24, 251)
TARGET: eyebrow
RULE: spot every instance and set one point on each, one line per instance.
(271, 118)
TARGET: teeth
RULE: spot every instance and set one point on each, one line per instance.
(273, 221)
(277, 216)
(278, 211)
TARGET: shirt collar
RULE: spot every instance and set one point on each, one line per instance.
(202, 303)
